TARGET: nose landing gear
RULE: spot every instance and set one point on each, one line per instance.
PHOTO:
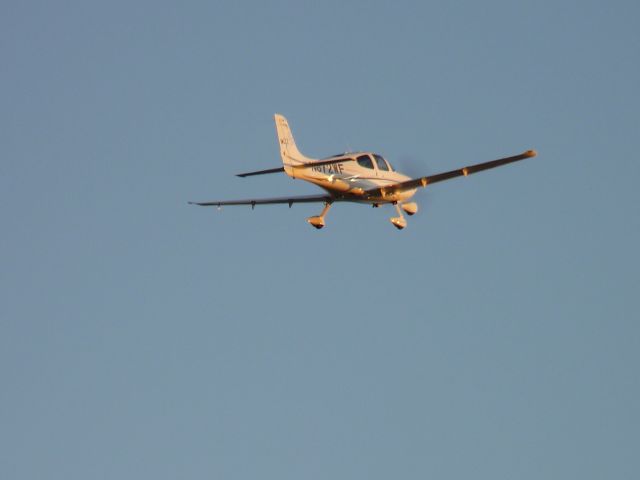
(399, 222)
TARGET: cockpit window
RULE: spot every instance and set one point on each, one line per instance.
(382, 163)
(365, 161)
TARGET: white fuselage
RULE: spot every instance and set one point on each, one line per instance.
(350, 179)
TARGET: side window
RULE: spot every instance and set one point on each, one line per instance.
(365, 161)
(382, 164)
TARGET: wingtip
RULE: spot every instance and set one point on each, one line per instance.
(531, 153)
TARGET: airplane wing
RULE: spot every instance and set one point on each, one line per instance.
(268, 201)
(439, 177)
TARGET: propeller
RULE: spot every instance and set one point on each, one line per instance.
(414, 167)
(410, 165)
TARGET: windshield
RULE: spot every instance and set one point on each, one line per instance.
(382, 163)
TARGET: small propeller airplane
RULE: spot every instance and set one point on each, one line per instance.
(361, 177)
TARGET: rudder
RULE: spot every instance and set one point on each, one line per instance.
(288, 149)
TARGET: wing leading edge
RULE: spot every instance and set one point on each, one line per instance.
(439, 177)
(269, 201)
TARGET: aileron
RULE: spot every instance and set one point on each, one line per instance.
(267, 201)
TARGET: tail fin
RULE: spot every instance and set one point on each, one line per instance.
(290, 154)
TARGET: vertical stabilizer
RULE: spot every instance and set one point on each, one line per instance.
(288, 149)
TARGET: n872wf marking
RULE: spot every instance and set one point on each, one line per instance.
(361, 177)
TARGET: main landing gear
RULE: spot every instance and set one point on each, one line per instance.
(318, 220)
(399, 222)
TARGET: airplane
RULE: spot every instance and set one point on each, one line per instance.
(361, 177)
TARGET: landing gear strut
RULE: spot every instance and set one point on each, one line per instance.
(399, 222)
(318, 220)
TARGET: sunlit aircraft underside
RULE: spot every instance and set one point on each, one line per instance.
(361, 177)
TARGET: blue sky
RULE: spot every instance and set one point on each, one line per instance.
(140, 337)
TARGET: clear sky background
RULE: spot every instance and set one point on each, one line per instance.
(496, 337)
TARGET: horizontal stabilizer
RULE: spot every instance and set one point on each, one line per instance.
(261, 172)
(319, 163)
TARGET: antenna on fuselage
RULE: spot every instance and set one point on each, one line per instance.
(348, 150)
